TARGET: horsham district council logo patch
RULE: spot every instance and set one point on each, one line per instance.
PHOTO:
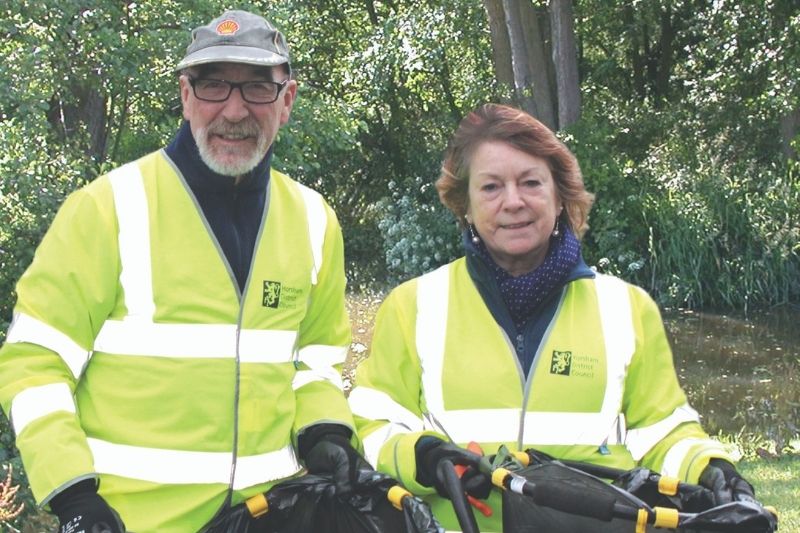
(561, 363)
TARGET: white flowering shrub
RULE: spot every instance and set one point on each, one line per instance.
(419, 233)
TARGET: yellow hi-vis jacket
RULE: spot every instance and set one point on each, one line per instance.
(132, 357)
(602, 387)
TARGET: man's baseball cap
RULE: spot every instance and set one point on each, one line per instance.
(236, 37)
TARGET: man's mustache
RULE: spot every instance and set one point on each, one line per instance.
(245, 128)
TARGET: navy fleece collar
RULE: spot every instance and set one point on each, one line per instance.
(184, 152)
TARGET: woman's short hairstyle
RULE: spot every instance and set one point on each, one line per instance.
(495, 122)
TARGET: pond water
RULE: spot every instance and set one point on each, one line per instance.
(742, 375)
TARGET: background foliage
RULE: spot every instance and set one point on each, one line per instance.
(685, 107)
(682, 105)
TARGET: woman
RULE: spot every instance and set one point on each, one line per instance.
(519, 342)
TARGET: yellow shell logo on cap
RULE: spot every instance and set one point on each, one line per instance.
(227, 27)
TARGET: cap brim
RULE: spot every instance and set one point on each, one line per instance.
(232, 54)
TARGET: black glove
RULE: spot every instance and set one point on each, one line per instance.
(430, 450)
(79, 508)
(724, 481)
(326, 449)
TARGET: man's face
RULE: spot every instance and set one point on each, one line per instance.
(233, 136)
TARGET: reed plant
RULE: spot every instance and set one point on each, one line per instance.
(723, 236)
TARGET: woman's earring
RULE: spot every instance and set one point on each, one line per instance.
(556, 230)
(473, 235)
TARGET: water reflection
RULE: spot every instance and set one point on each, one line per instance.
(741, 373)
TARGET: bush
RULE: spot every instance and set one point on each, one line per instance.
(723, 234)
(419, 233)
(616, 240)
(35, 176)
(696, 228)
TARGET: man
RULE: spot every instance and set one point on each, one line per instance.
(173, 345)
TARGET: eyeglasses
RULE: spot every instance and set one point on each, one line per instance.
(254, 92)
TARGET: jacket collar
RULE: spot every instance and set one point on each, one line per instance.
(479, 267)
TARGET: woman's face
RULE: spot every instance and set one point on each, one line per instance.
(513, 203)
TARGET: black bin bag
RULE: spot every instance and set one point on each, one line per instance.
(577, 493)
(571, 497)
(309, 504)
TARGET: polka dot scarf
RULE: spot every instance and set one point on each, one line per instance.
(524, 294)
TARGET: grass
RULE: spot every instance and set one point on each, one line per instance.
(777, 483)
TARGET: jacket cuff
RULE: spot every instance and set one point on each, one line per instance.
(86, 486)
(399, 459)
(696, 467)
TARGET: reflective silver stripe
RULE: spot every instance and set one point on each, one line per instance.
(130, 202)
(616, 317)
(485, 425)
(544, 428)
(36, 402)
(679, 451)
(373, 404)
(322, 355)
(25, 328)
(164, 466)
(675, 456)
(317, 225)
(321, 358)
(266, 345)
(304, 377)
(433, 290)
(254, 469)
(375, 441)
(640, 440)
(135, 337)
(502, 425)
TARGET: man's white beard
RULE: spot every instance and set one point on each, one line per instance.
(231, 162)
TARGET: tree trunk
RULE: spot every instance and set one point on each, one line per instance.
(535, 22)
(565, 59)
(85, 111)
(520, 62)
(373, 15)
(666, 55)
(537, 67)
(790, 128)
(543, 17)
(651, 64)
(501, 47)
(637, 60)
(522, 58)
(445, 77)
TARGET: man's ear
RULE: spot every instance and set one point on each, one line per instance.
(289, 96)
(186, 89)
